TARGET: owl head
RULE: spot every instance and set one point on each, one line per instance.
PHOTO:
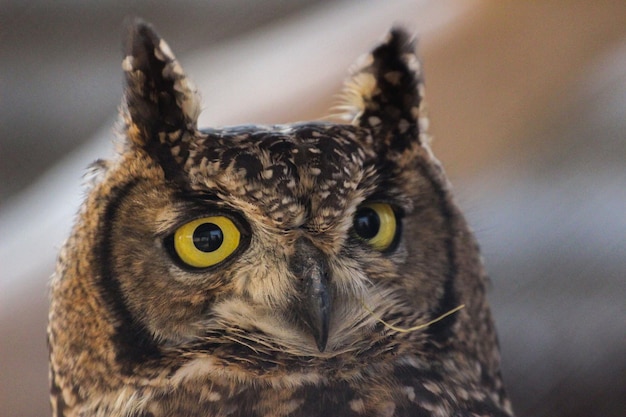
(266, 254)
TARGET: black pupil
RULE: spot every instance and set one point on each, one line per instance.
(208, 237)
(366, 223)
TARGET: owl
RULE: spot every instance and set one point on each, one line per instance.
(311, 269)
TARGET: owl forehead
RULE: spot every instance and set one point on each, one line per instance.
(290, 174)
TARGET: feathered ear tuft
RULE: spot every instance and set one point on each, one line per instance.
(385, 93)
(161, 103)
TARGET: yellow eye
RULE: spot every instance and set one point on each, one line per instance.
(206, 242)
(376, 224)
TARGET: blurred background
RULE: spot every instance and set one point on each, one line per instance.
(528, 112)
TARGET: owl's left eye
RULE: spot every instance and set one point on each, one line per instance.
(376, 224)
(207, 241)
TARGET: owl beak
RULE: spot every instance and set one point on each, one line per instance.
(314, 304)
(316, 308)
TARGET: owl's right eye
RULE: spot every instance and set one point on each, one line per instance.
(376, 224)
(206, 242)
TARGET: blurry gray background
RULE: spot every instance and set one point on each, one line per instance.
(528, 111)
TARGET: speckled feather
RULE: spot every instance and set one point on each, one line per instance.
(132, 332)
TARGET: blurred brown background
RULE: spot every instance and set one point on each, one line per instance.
(528, 111)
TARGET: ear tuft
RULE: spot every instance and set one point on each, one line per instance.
(160, 101)
(385, 93)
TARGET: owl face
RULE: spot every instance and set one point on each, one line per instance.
(288, 235)
(263, 258)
